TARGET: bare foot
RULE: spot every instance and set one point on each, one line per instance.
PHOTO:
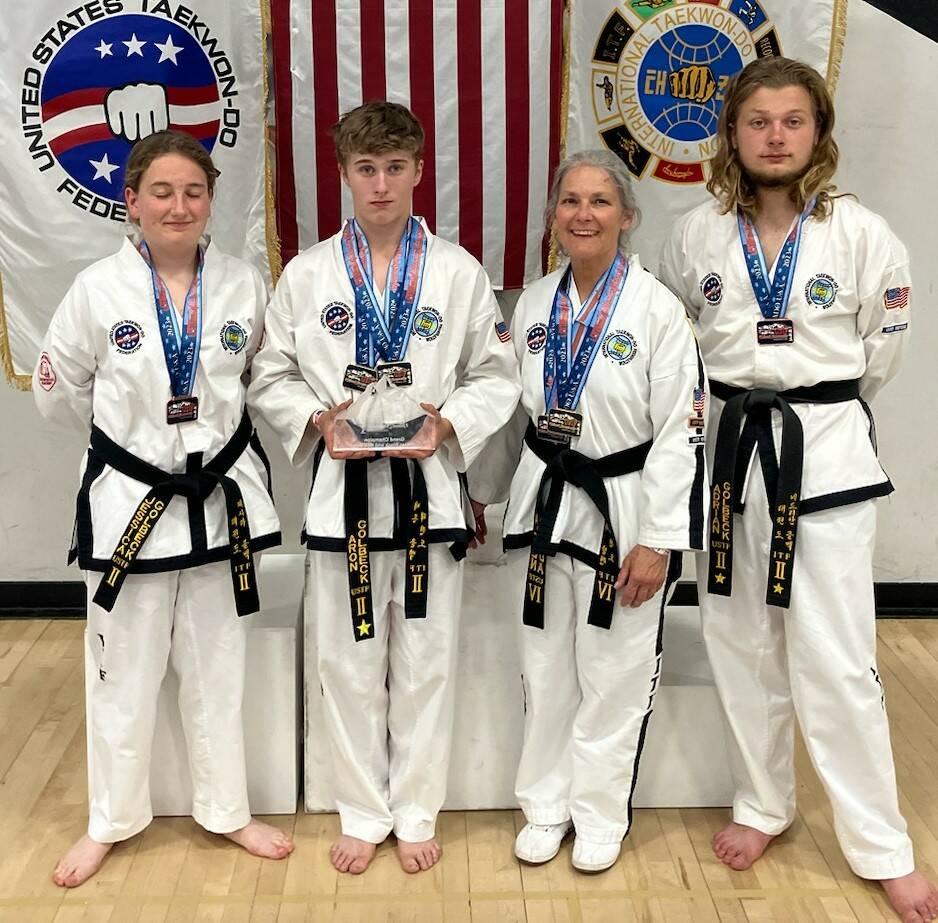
(738, 846)
(418, 857)
(80, 862)
(913, 897)
(262, 840)
(349, 854)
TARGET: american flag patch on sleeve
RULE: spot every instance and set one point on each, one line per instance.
(896, 297)
(501, 331)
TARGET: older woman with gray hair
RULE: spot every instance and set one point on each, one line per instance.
(610, 481)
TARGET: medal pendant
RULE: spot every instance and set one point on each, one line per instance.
(544, 433)
(398, 373)
(358, 377)
(182, 410)
(781, 330)
(567, 423)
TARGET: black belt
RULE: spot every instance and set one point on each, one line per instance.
(735, 443)
(411, 519)
(566, 466)
(196, 484)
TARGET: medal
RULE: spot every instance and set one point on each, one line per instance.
(568, 361)
(358, 377)
(772, 296)
(182, 410)
(567, 423)
(398, 373)
(180, 344)
(544, 432)
(382, 330)
(775, 331)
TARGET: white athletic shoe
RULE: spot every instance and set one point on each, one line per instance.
(537, 843)
(594, 857)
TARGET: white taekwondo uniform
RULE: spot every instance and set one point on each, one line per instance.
(388, 700)
(589, 689)
(816, 658)
(102, 365)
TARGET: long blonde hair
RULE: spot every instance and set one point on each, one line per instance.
(728, 179)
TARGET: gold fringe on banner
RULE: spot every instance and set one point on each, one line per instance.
(553, 258)
(20, 382)
(274, 254)
(838, 37)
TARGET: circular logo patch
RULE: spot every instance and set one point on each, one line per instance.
(620, 347)
(660, 70)
(96, 87)
(821, 290)
(126, 336)
(711, 286)
(536, 338)
(233, 337)
(336, 318)
(428, 324)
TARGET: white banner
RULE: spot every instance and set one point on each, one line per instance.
(79, 82)
(646, 80)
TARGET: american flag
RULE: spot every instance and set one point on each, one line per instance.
(502, 331)
(700, 398)
(896, 297)
(483, 78)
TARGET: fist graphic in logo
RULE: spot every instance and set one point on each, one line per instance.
(137, 110)
(695, 82)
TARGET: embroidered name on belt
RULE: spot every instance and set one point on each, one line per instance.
(745, 423)
(411, 497)
(164, 486)
(566, 466)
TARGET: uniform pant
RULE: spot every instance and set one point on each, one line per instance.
(187, 617)
(387, 700)
(816, 660)
(588, 698)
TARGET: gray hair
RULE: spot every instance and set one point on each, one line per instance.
(618, 174)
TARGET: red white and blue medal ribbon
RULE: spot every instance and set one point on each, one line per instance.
(382, 329)
(771, 295)
(181, 344)
(565, 374)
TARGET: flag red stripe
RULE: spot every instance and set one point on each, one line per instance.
(422, 103)
(93, 96)
(556, 74)
(283, 130)
(372, 50)
(80, 136)
(326, 83)
(517, 144)
(192, 96)
(205, 130)
(469, 80)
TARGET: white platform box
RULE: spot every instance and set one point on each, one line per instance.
(272, 703)
(684, 761)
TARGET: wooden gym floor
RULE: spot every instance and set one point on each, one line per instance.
(174, 871)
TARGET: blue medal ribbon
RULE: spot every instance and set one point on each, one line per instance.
(773, 296)
(181, 344)
(382, 330)
(564, 379)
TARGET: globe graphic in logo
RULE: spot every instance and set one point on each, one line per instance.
(695, 58)
(120, 79)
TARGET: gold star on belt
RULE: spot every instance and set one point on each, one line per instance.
(364, 628)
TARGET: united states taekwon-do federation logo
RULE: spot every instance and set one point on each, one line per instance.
(660, 69)
(111, 72)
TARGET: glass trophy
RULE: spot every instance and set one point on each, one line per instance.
(384, 416)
